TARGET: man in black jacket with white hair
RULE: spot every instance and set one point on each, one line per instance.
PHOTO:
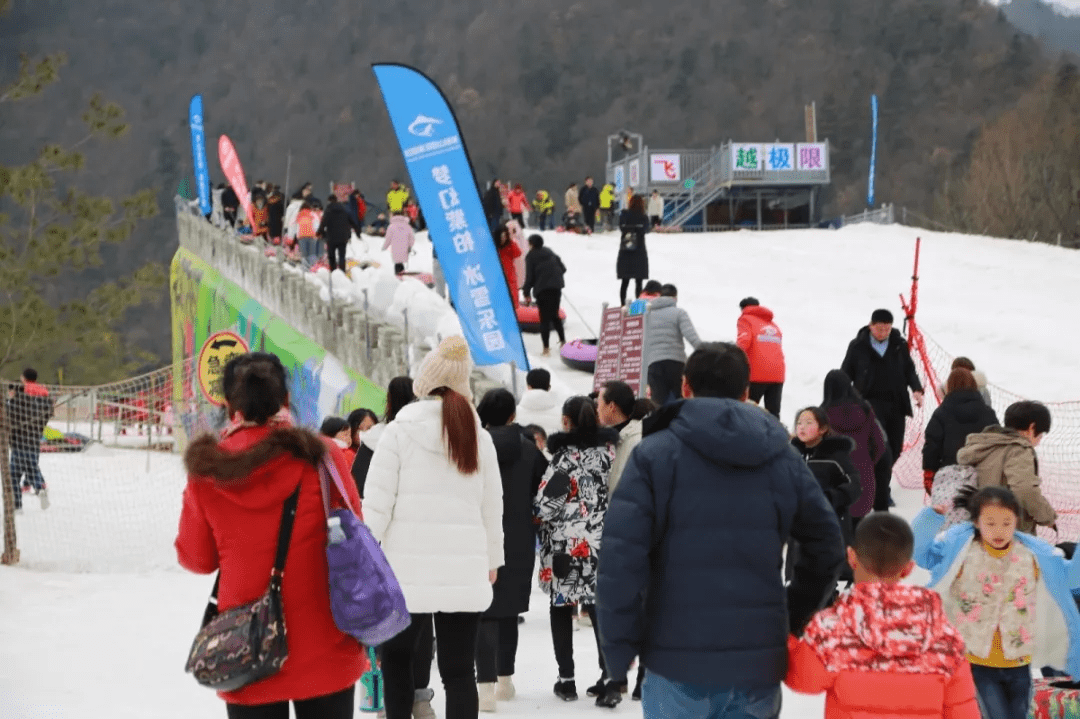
(690, 562)
(879, 364)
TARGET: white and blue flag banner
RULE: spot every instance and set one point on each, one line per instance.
(198, 153)
(444, 184)
(873, 151)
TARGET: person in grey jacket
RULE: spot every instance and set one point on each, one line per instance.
(667, 329)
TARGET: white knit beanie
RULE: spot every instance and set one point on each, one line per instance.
(448, 365)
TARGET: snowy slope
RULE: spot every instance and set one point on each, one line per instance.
(111, 642)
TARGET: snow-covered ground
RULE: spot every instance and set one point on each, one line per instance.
(97, 621)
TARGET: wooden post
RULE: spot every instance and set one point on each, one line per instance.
(11, 548)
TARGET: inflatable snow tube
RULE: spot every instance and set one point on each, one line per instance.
(580, 355)
(528, 318)
(1050, 701)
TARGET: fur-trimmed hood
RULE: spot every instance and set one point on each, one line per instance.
(561, 440)
(255, 466)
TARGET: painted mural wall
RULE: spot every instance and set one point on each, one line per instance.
(205, 303)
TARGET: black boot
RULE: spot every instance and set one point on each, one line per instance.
(597, 690)
(566, 689)
(611, 696)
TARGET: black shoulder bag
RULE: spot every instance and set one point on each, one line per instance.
(246, 643)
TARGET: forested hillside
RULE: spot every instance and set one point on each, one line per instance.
(537, 86)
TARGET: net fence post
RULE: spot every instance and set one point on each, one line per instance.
(11, 547)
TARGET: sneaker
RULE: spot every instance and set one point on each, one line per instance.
(486, 694)
(43, 495)
(421, 708)
(546, 352)
(597, 689)
(565, 689)
(505, 690)
(610, 697)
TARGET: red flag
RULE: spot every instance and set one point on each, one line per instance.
(234, 173)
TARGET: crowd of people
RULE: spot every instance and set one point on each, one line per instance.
(297, 223)
(690, 530)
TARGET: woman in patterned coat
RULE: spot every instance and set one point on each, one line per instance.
(570, 506)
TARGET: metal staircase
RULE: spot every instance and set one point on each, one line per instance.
(702, 187)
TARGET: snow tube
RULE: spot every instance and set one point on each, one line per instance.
(1050, 701)
(528, 318)
(579, 354)
(425, 277)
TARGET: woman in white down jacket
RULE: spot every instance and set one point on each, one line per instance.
(433, 497)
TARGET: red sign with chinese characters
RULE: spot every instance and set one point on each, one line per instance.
(619, 350)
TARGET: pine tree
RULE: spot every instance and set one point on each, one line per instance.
(50, 230)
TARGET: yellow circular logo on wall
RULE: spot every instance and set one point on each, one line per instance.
(216, 352)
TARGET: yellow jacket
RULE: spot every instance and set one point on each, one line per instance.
(607, 196)
(543, 204)
(396, 199)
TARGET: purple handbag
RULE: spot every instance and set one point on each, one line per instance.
(365, 597)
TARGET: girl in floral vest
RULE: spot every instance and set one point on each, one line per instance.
(1007, 592)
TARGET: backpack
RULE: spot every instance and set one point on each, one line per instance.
(948, 481)
(365, 598)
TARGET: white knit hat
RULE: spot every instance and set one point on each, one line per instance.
(448, 365)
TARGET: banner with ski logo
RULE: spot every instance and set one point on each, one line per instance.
(444, 184)
(198, 153)
(234, 173)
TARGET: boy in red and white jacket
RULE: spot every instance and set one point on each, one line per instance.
(884, 649)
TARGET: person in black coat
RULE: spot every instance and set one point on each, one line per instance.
(230, 205)
(493, 205)
(880, 366)
(522, 467)
(692, 545)
(633, 260)
(544, 272)
(589, 197)
(962, 412)
(336, 228)
(275, 214)
(828, 455)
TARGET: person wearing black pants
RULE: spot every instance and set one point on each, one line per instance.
(879, 364)
(548, 301)
(336, 228)
(544, 272)
(335, 254)
(496, 649)
(455, 636)
(338, 705)
(771, 391)
(562, 637)
(891, 426)
(589, 197)
(422, 658)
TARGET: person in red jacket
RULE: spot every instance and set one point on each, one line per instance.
(884, 649)
(517, 203)
(508, 252)
(231, 513)
(762, 341)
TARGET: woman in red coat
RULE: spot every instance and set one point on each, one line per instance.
(508, 252)
(232, 511)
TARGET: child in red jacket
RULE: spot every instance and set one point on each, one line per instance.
(884, 648)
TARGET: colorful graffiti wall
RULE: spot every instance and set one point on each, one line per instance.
(204, 303)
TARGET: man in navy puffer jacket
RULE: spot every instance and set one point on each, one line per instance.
(690, 561)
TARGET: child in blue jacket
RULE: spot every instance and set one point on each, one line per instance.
(1008, 593)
